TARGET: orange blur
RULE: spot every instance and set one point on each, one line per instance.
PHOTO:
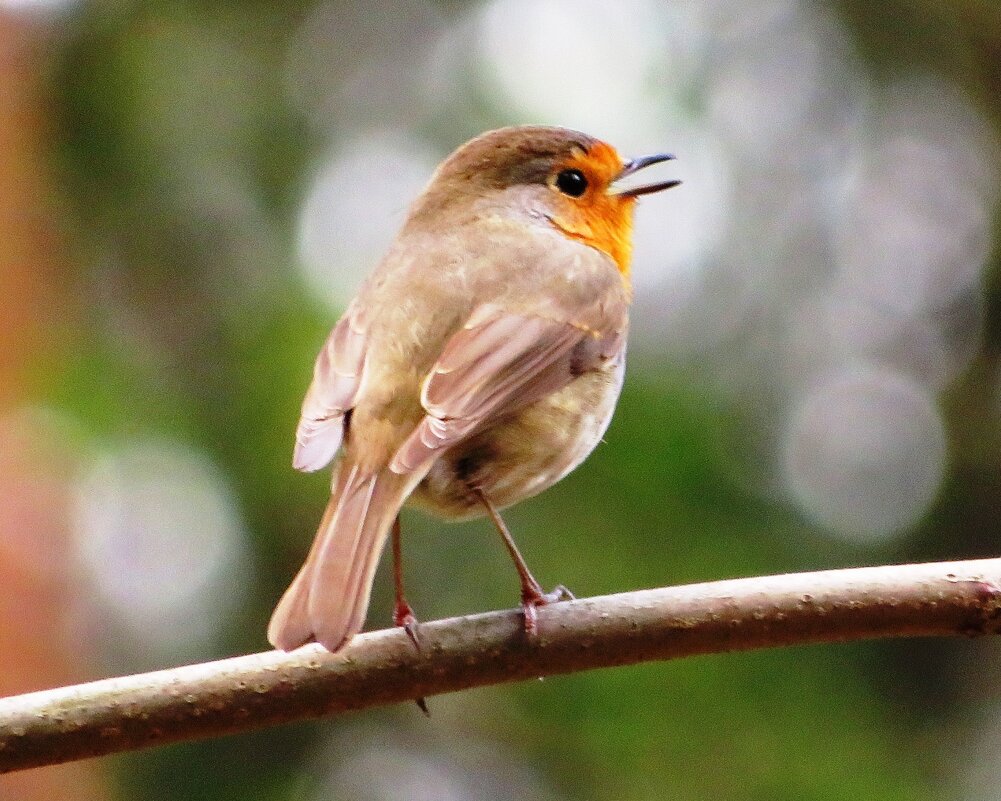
(39, 645)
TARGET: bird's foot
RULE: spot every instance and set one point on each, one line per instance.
(403, 616)
(533, 598)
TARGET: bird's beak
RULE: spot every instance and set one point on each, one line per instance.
(635, 165)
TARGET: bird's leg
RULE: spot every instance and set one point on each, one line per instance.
(403, 615)
(532, 595)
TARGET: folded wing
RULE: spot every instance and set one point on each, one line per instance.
(337, 378)
(497, 363)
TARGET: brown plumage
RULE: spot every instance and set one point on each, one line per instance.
(479, 363)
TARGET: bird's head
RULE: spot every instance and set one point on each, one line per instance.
(566, 178)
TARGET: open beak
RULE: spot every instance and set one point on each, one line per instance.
(637, 164)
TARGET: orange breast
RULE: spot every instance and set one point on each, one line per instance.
(600, 219)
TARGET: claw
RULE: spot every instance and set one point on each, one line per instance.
(403, 616)
(531, 600)
(559, 593)
(529, 607)
(411, 629)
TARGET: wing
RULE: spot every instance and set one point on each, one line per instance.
(337, 378)
(497, 363)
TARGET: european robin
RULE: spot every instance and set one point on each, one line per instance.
(479, 364)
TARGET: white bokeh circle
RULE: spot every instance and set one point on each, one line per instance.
(356, 204)
(159, 539)
(864, 452)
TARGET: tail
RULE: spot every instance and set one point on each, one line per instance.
(328, 599)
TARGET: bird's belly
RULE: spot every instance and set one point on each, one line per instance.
(526, 452)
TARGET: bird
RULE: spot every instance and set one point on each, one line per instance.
(479, 363)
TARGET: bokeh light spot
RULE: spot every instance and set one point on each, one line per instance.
(553, 61)
(864, 452)
(915, 231)
(159, 537)
(355, 206)
(37, 7)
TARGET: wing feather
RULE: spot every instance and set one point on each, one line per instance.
(337, 379)
(497, 363)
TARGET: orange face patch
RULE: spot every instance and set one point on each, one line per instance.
(599, 219)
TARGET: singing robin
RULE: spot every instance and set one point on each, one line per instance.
(479, 364)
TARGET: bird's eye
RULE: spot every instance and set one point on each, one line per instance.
(572, 183)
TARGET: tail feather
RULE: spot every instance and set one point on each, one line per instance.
(328, 599)
(290, 627)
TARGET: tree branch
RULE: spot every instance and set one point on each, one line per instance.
(249, 692)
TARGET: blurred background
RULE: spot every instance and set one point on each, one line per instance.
(191, 191)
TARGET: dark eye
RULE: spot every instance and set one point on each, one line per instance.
(571, 182)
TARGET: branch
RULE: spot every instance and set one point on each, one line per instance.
(249, 692)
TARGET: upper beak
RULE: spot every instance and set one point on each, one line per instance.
(637, 164)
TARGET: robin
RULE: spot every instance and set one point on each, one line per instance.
(479, 364)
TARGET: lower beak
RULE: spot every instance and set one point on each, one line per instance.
(637, 164)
